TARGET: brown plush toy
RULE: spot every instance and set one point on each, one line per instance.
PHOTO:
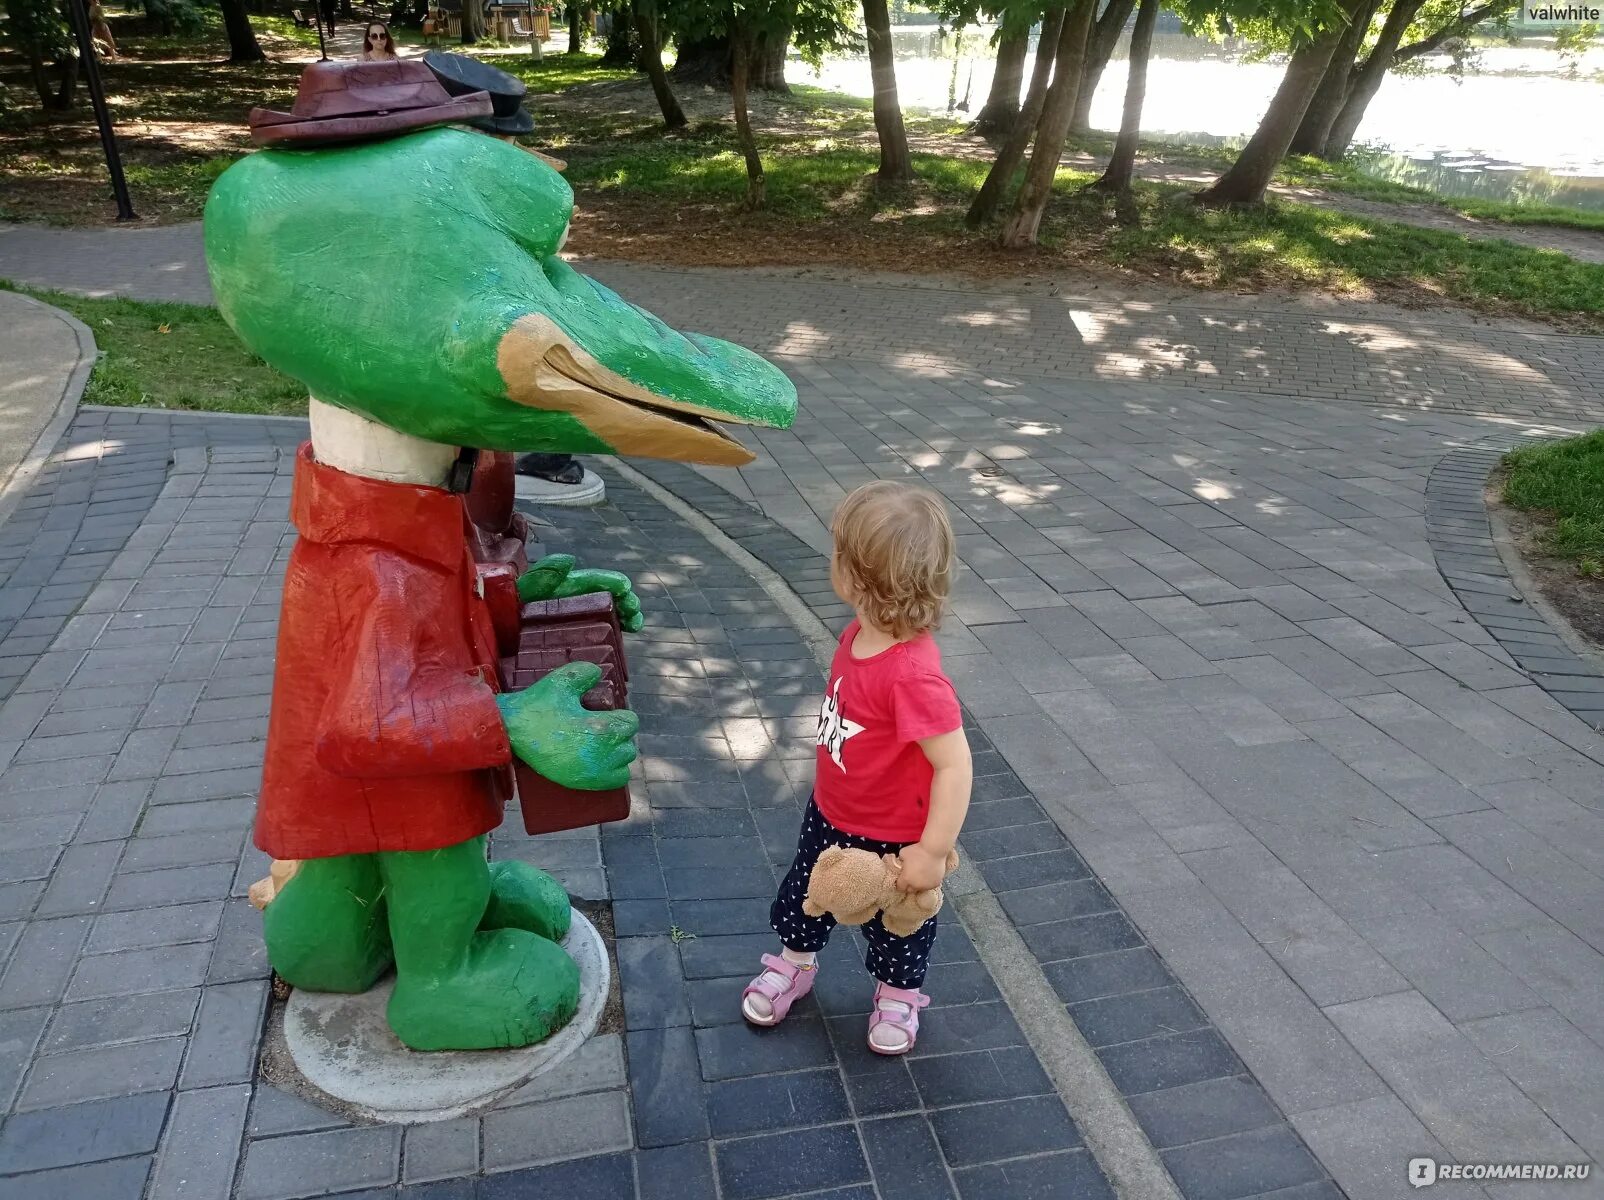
(853, 885)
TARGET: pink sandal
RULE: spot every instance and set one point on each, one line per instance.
(781, 984)
(895, 1010)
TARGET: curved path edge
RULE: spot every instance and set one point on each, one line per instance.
(21, 477)
(1477, 561)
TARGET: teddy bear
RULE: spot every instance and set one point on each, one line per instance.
(853, 885)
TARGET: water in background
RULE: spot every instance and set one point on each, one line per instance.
(1518, 134)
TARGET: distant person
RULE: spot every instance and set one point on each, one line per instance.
(327, 11)
(377, 44)
(100, 32)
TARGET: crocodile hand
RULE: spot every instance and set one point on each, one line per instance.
(568, 744)
(555, 576)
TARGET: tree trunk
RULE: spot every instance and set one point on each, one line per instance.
(1002, 103)
(36, 71)
(620, 51)
(768, 65)
(704, 62)
(473, 21)
(1365, 80)
(995, 187)
(652, 56)
(1333, 90)
(1100, 48)
(895, 164)
(242, 47)
(740, 71)
(1031, 202)
(1122, 163)
(576, 28)
(1250, 175)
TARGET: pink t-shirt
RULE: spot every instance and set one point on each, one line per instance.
(872, 779)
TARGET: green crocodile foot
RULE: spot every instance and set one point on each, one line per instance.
(513, 989)
(525, 897)
(327, 930)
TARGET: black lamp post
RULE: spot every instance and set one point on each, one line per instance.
(97, 94)
(321, 48)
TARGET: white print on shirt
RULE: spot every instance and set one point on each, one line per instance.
(834, 728)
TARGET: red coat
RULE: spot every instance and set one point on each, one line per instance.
(384, 733)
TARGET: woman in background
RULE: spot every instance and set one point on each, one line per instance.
(377, 44)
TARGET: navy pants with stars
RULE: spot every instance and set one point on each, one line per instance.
(898, 961)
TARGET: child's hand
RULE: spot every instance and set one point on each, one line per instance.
(921, 869)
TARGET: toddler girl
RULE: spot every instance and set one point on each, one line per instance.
(893, 770)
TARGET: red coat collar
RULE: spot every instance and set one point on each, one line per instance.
(330, 506)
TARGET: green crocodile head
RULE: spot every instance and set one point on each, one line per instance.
(416, 281)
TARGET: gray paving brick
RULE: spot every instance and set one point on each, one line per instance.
(238, 953)
(314, 1164)
(596, 1066)
(1447, 966)
(440, 1150)
(114, 811)
(123, 1019)
(1554, 1063)
(80, 879)
(223, 1047)
(143, 929)
(173, 885)
(20, 1030)
(532, 1134)
(42, 962)
(826, 1157)
(123, 1179)
(201, 1149)
(1464, 1100)
(1366, 1144)
(1257, 1162)
(275, 1112)
(130, 972)
(82, 1133)
(100, 1072)
(1287, 1042)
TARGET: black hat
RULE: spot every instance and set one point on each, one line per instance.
(462, 76)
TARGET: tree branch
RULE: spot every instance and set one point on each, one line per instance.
(1465, 21)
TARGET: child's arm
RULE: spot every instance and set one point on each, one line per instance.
(924, 864)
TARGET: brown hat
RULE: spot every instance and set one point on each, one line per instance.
(359, 101)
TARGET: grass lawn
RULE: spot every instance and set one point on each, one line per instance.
(1348, 178)
(176, 356)
(1564, 481)
(666, 198)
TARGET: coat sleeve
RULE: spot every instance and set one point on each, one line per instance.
(407, 698)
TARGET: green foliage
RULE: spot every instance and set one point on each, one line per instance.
(1565, 480)
(1274, 24)
(1571, 44)
(36, 29)
(816, 27)
(183, 18)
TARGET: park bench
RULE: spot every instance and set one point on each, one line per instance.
(301, 22)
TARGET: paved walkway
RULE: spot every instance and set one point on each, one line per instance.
(1406, 361)
(1204, 627)
(42, 349)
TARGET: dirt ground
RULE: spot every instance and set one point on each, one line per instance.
(1577, 598)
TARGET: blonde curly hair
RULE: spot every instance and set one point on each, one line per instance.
(894, 556)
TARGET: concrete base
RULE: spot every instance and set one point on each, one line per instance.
(343, 1046)
(589, 490)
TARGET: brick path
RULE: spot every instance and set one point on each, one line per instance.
(1209, 633)
(1205, 627)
